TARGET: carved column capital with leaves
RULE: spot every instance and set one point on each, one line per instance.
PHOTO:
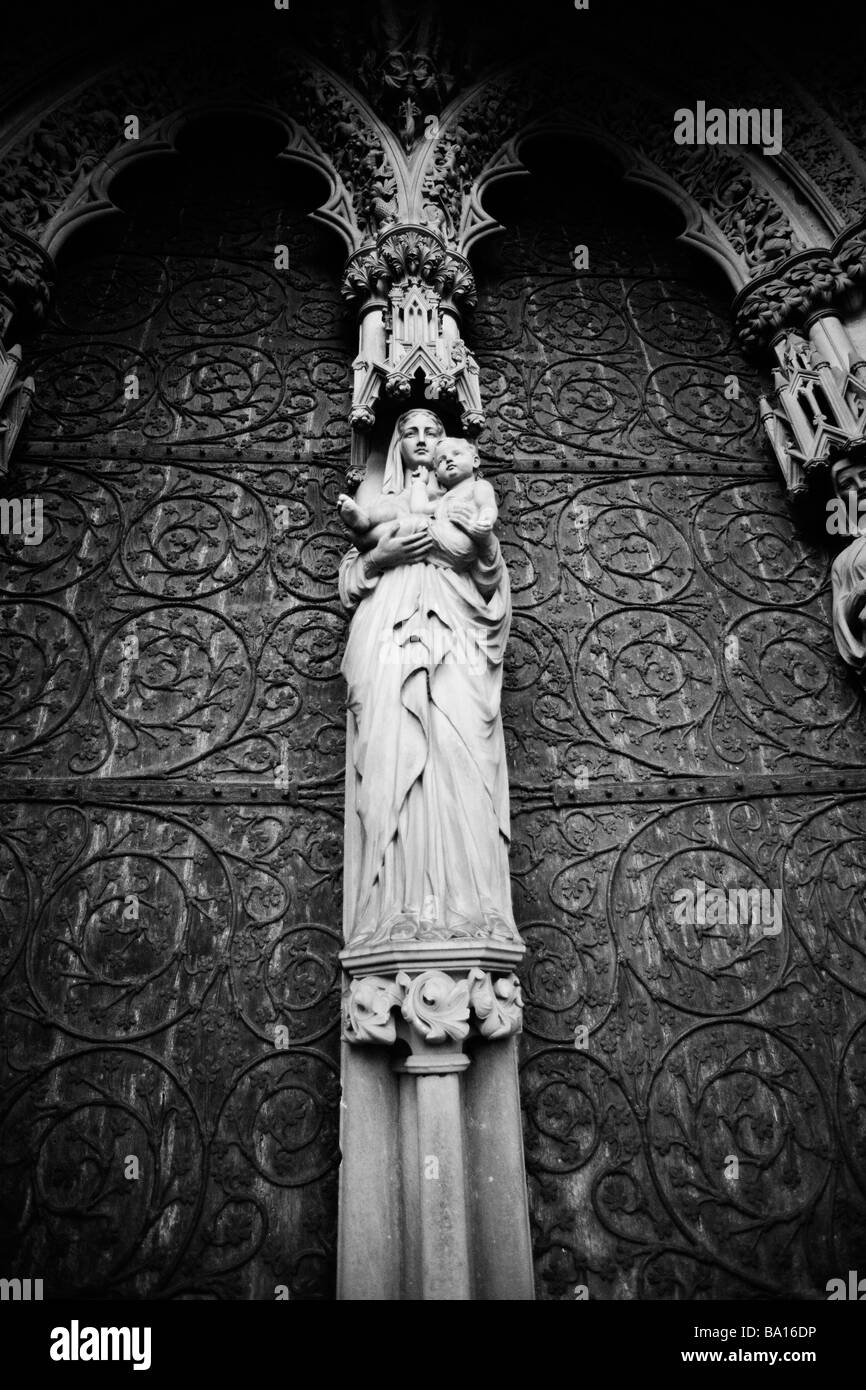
(434, 1002)
(787, 296)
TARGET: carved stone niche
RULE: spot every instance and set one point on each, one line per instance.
(439, 1210)
(410, 290)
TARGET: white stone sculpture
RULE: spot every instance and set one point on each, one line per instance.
(453, 477)
(427, 816)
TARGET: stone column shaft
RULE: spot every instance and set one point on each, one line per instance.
(443, 1216)
(433, 1192)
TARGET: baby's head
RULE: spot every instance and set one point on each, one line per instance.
(454, 461)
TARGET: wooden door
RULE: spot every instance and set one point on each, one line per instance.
(676, 713)
(172, 717)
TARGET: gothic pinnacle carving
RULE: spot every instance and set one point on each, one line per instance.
(818, 409)
(410, 289)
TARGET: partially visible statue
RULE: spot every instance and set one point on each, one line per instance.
(427, 816)
(849, 568)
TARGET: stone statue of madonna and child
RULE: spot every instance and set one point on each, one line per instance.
(427, 814)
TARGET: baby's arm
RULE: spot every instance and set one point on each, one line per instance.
(420, 493)
(485, 500)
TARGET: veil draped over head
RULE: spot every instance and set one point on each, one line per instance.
(393, 479)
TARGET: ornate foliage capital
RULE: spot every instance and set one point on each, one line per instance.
(367, 1007)
(440, 1006)
(497, 1002)
(801, 285)
(435, 1004)
(409, 254)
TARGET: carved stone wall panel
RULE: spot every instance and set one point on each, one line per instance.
(700, 1042)
(173, 740)
(44, 164)
(175, 619)
(623, 360)
(668, 624)
(170, 994)
(835, 85)
(187, 333)
(754, 219)
(670, 618)
(676, 715)
(180, 614)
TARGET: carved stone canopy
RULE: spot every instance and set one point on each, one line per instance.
(410, 289)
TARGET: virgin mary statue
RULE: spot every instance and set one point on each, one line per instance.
(427, 822)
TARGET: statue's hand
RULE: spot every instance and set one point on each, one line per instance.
(477, 525)
(392, 550)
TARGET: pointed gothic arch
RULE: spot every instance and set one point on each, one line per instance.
(740, 209)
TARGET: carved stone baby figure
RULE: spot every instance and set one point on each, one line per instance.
(453, 501)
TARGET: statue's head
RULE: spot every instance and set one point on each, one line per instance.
(455, 460)
(849, 475)
(418, 432)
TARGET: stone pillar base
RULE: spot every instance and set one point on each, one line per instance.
(432, 1192)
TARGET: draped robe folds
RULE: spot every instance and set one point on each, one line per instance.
(427, 814)
(849, 581)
